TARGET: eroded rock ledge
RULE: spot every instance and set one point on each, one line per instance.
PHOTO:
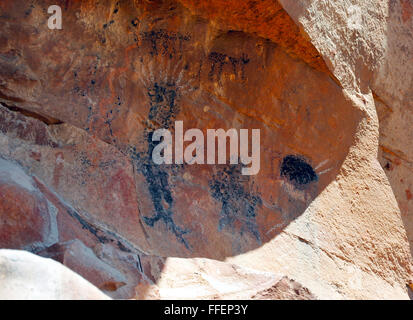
(78, 108)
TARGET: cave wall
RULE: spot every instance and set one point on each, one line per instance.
(79, 107)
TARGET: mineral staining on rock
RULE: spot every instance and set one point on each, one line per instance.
(77, 117)
(238, 201)
(297, 170)
(220, 60)
(162, 113)
(158, 74)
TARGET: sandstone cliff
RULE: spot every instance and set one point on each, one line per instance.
(328, 83)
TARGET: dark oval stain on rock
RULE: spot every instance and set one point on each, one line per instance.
(297, 170)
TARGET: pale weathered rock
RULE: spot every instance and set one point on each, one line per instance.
(321, 218)
(208, 279)
(372, 50)
(25, 276)
(369, 48)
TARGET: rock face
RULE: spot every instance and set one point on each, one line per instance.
(28, 221)
(26, 276)
(210, 279)
(321, 219)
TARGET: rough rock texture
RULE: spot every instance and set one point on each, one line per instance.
(25, 276)
(209, 279)
(28, 221)
(371, 54)
(322, 219)
(53, 229)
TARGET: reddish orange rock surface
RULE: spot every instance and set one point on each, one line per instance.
(79, 106)
(26, 220)
(266, 19)
(125, 78)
